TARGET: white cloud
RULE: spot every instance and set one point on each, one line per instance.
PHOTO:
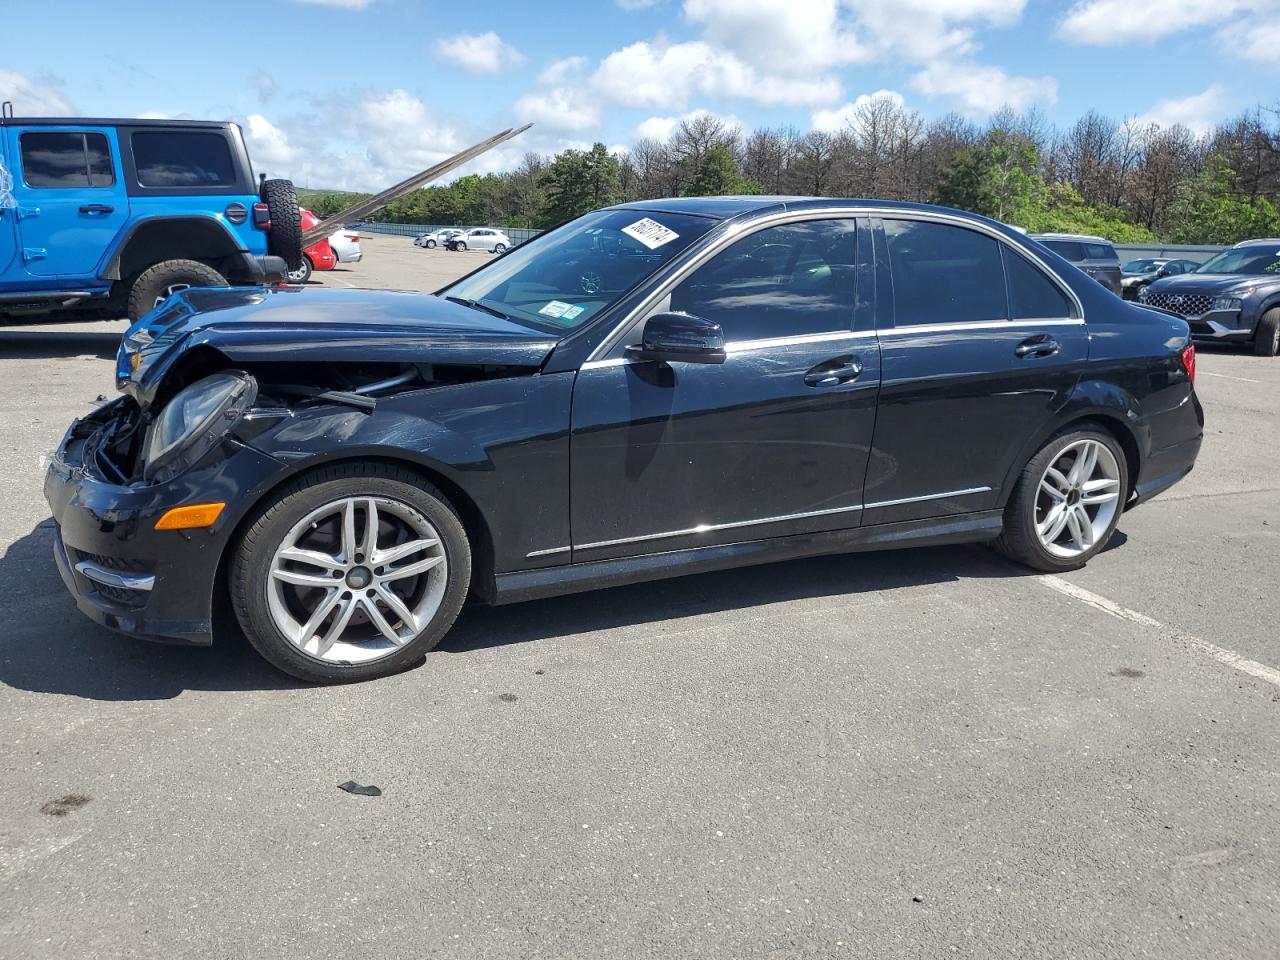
(560, 108)
(660, 128)
(479, 53)
(337, 4)
(1113, 22)
(31, 99)
(562, 70)
(979, 89)
(782, 36)
(1253, 38)
(1198, 112)
(836, 119)
(268, 145)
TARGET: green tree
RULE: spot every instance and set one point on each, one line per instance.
(717, 174)
(578, 182)
(1211, 209)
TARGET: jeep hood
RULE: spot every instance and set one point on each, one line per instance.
(248, 324)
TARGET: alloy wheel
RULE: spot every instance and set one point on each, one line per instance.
(1077, 499)
(356, 579)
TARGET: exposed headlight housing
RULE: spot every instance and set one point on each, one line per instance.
(1227, 303)
(195, 421)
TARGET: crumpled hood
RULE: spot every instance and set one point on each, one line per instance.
(280, 324)
(1212, 284)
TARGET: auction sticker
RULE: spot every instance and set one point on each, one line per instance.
(650, 232)
(557, 308)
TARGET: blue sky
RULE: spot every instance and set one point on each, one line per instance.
(359, 93)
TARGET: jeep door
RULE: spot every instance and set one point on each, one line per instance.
(71, 197)
(772, 441)
(980, 347)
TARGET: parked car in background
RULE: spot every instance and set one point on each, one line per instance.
(635, 356)
(1094, 255)
(318, 256)
(1233, 298)
(112, 216)
(346, 245)
(481, 238)
(1137, 274)
(437, 239)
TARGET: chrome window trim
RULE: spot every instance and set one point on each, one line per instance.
(744, 346)
(737, 231)
(979, 325)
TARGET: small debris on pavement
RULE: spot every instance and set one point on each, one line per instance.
(359, 790)
(64, 805)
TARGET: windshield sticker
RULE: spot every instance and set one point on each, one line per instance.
(650, 232)
(557, 308)
(571, 312)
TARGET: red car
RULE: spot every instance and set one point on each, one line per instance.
(318, 256)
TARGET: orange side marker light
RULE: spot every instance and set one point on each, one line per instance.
(191, 517)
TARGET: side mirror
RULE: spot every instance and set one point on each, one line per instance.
(680, 338)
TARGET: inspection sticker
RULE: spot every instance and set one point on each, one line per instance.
(572, 312)
(558, 308)
(650, 232)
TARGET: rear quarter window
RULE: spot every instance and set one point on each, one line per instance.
(183, 158)
(1071, 250)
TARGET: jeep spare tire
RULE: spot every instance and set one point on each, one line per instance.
(284, 239)
(157, 283)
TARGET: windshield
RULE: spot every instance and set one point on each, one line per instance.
(561, 279)
(1140, 266)
(1245, 260)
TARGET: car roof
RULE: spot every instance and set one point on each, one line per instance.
(1261, 240)
(727, 208)
(111, 122)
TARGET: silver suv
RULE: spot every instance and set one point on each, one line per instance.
(1094, 255)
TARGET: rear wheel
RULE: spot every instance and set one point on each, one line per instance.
(499, 248)
(1266, 338)
(351, 573)
(460, 246)
(303, 273)
(1067, 501)
(156, 284)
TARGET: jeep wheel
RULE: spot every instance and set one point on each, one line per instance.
(1266, 339)
(284, 239)
(157, 284)
(303, 273)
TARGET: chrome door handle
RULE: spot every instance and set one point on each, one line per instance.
(834, 372)
(1041, 346)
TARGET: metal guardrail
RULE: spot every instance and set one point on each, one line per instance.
(517, 234)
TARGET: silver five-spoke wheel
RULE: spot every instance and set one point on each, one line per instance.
(1077, 499)
(356, 579)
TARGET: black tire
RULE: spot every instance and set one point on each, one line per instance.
(499, 248)
(1266, 338)
(460, 246)
(284, 239)
(251, 564)
(303, 274)
(154, 283)
(429, 244)
(1018, 540)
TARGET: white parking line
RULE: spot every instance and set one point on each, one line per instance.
(1224, 376)
(1224, 656)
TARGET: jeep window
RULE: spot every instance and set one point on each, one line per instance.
(185, 158)
(1264, 258)
(561, 279)
(66, 160)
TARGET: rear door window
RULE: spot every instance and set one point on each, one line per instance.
(66, 160)
(944, 274)
(1032, 295)
(182, 158)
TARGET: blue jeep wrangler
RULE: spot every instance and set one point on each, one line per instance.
(102, 218)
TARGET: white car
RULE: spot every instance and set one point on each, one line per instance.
(437, 239)
(346, 246)
(481, 238)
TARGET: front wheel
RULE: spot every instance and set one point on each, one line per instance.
(1067, 502)
(1266, 338)
(351, 573)
(429, 244)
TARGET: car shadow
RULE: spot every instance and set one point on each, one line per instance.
(47, 342)
(48, 646)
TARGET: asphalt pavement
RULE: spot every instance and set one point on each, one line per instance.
(912, 754)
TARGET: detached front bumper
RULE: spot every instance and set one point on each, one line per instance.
(122, 572)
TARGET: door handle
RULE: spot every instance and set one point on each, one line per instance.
(97, 208)
(1041, 346)
(834, 372)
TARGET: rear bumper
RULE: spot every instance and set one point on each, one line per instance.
(259, 269)
(1167, 465)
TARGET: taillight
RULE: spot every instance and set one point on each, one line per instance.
(353, 236)
(261, 216)
(1189, 362)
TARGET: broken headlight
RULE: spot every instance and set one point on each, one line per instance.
(195, 421)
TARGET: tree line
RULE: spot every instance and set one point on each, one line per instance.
(1125, 180)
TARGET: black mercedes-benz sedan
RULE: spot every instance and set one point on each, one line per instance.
(650, 390)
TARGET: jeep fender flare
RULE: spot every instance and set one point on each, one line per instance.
(109, 268)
